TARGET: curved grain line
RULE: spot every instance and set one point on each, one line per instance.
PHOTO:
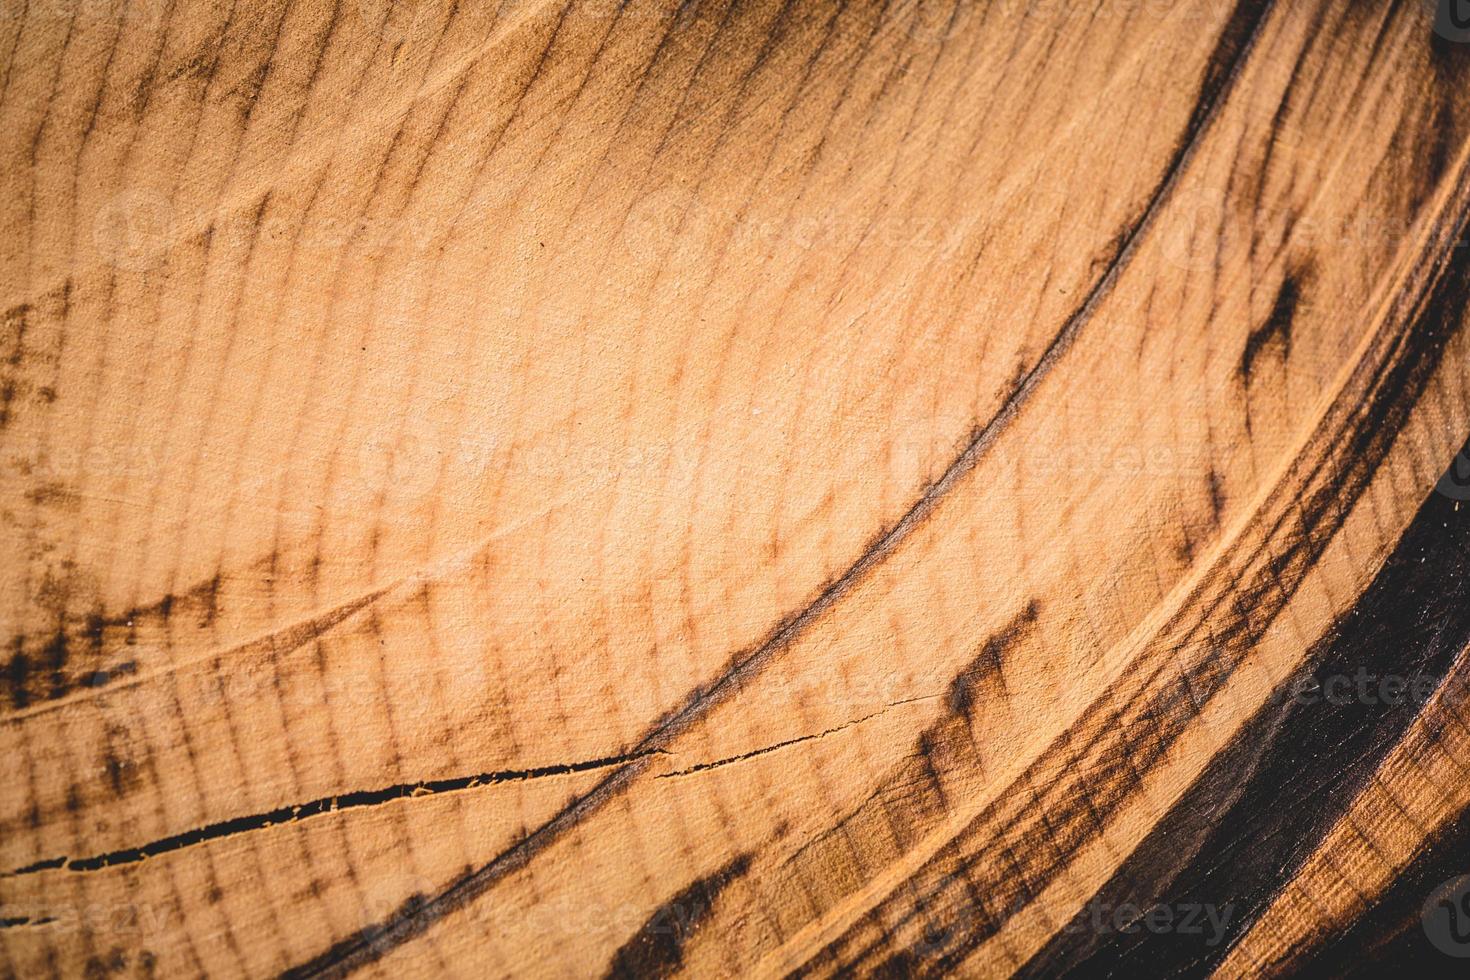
(367, 945)
(1386, 357)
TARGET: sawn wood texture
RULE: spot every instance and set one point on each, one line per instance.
(734, 488)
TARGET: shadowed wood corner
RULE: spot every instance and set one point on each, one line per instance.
(734, 488)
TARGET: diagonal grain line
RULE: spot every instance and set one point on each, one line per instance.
(1320, 751)
(1425, 300)
(370, 944)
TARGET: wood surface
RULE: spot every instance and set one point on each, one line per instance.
(734, 488)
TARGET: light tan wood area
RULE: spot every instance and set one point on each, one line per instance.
(733, 487)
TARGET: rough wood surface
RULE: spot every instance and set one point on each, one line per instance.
(734, 487)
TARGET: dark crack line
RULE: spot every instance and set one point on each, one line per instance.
(755, 753)
(18, 921)
(305, 811)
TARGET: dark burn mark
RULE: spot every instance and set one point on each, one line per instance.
(196, 67)
(74, 655)
(380, 933)
(1451, 63)
(208, 594)
(1217, 497)
(16, 320)
(92, 630)
(987, 669)
(29, 353)
(927, 749)
(1231, 48)
(121, 774)
(201, 600)
(18, 676)
(55, 655)
(1265, 804)
(1192, 536)
(245, 93)
(912, 796)
(1175, 840)
(99, 967)
(657, 948)
(1276, 330)
(946, 746)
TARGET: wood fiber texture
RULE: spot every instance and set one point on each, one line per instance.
(734, 488)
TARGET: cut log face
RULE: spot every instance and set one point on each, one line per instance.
(575, 488)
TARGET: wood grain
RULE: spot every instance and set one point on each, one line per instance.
(734, 487)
